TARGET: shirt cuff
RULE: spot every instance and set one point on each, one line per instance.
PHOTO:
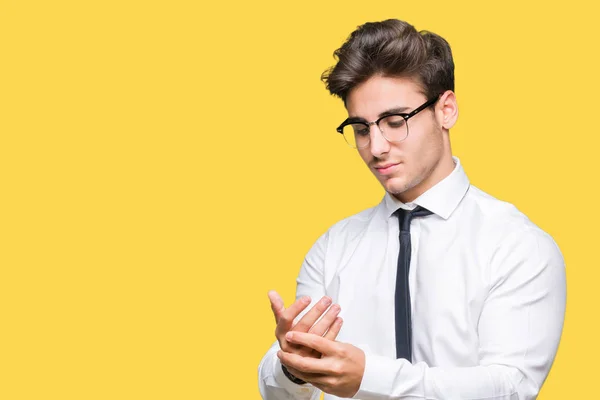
(379, 377)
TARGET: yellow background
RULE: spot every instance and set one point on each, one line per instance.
(163, 164)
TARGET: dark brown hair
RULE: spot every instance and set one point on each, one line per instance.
(391, 48)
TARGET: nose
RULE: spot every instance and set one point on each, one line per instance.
(379, 145)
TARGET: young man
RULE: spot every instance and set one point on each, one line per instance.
(445, 291)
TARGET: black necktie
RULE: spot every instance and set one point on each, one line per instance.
(403, 318)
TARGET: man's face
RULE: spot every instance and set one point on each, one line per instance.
(403, 168)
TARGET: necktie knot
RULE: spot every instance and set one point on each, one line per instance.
(406, 216)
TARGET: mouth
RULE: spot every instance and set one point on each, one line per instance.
(386, 169)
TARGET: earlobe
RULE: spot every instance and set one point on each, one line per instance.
(449, 121)
(449, 110)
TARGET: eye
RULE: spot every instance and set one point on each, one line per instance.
(360, 129)
(394, 121)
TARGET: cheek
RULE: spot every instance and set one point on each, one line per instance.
(425, 150)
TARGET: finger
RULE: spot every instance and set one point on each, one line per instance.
(305, 376)
(286, 319)
(315, 342)
(313, 315)
(324, 323)
(320, 381)
(334, 329)
(277, 304)
(303, 365)
(309, 319)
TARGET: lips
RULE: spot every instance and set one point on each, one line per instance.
(383, 166)
(385, 169)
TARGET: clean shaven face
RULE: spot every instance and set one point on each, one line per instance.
(408, 168)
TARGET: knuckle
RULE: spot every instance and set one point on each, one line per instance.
(302, 366)
(323, 324)
(331, 334)
(320, 307)
(331, 381)
(337, 369)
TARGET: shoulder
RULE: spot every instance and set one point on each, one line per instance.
(341, 236)
(513, 238)
(498, 216)
(351, 228)
(356, 222)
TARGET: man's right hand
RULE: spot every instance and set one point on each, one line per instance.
(329, 326)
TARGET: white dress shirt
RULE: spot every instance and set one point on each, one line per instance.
(487, 289)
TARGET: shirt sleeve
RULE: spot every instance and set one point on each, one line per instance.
(273, 384)
(519, 331)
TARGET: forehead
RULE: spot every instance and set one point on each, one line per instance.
(381, 93)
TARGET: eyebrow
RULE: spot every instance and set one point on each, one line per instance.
(395, 110)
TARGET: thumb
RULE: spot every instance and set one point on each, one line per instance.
(276, 304)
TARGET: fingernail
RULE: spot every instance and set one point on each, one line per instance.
(289, 336)
(279, 354)
(305, 299)
(335, 308)
(326, 301)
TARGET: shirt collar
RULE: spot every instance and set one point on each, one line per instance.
(442, 199)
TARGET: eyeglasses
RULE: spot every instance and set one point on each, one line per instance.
(393, 127)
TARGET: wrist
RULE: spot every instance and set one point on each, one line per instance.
(291, 377)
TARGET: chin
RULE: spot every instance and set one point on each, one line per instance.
(396, 185)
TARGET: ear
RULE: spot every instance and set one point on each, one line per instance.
(446, 110)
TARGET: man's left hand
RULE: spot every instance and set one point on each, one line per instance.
(339, 371)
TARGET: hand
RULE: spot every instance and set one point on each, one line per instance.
(339, 371)
(329, 326)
